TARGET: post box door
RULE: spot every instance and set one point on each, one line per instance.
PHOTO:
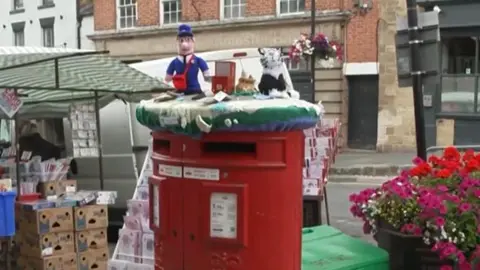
(170, 234)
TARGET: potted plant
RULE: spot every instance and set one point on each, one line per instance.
(428, 216)
(324, 50)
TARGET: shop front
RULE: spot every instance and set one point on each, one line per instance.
(456, 94)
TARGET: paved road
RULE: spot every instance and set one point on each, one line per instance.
(340, 216)
(339, 209)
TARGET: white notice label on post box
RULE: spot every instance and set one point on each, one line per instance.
(156, 206)
(201, 173)
(223, 215)
(169, 170)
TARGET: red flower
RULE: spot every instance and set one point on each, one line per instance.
(451, 153)
(443, 173)
(434, 160)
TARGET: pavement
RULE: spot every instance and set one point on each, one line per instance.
(339, 205)
(367, 166)
(353, 172)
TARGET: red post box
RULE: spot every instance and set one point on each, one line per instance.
(237, 203)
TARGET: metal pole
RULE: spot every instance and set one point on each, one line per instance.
(312, 34)
(17, 149)
(57, 76)
(414, 41)
(99, 141)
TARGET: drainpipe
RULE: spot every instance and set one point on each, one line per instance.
(79, 25)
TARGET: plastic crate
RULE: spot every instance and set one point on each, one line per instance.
(7, 213)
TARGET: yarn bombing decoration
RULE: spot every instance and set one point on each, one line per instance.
(272, 83)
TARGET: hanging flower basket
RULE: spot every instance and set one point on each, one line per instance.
(324, 50)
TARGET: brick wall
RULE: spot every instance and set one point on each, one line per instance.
(361, 34)
(104, 14)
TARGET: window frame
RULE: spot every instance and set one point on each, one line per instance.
(222, 11)
(44, 31)
(48, 2)
(162, 12)
(14, 5)
(279, 13)
(18, 32)
(119, 7)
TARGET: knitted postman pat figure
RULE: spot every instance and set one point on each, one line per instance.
(183, 70)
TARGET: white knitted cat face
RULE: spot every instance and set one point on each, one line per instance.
(270, 58)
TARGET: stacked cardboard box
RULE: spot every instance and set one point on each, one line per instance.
(45, 237)
(62, 231)
(91, 244)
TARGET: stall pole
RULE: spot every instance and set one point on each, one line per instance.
(312, 59)
(17, 149)
(99, 140)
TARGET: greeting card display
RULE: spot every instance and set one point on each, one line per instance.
(84, 130)
(135, 247)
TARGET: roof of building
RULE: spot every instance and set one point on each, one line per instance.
(80, 73)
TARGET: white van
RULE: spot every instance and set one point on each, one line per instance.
(125, 140)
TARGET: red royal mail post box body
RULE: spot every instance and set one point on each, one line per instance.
(236, 205)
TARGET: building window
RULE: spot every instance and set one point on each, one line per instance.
(47, 2)
(127, 13)
(17, 4)
(19, 38)
(48, 36)
(460, 81)
(171, 11)
(290, 6)
(18, 29)
(233, 9)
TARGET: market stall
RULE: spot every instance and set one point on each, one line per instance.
(41, 83)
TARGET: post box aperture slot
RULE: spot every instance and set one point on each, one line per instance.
(225, 149)
(161, 146)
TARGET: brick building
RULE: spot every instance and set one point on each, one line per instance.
(145, 29)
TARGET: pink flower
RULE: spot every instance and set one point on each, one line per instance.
(446, 267)
(367, 228)
(464, 207)
(411, 228)
(440, 221)
(464, 266)
(448, 251)
(417, 160)
(476, 193)
(442, 188)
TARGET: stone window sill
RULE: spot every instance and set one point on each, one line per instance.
(52, 5)
(17, 11)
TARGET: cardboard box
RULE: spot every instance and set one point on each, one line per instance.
(91, 240)
(50, 244)
(53, 189)
(46, 220)
(93, 259)
(91, 217)
(63, 262)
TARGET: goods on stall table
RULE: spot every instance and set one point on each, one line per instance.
(84, 130)
(135, 247)
(320, 152)
(68, 233)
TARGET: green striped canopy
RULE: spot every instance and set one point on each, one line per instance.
(31, 70)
